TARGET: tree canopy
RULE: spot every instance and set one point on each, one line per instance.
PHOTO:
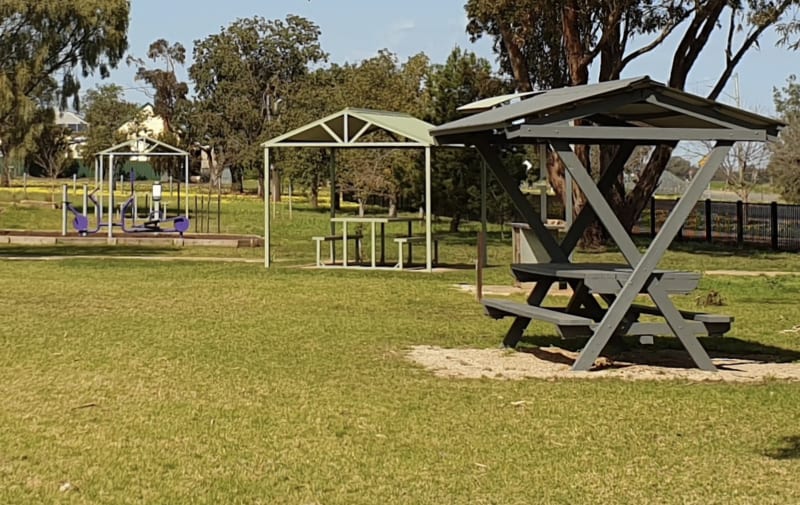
(546, 43)
(241, 76)
(45, 40)
(785, 162)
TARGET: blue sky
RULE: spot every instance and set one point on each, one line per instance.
(356, 29)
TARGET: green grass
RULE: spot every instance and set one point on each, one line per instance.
(201, 382)
(141, 382)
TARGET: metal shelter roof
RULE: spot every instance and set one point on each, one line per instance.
(349, 127)
(144, 146)
(491, 102)
(629, 109)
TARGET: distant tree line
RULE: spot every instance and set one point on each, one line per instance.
(258, 78)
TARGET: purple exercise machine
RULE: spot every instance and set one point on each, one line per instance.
(156, 222)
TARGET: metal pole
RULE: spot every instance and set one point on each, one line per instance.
(219, 209)
(75, 184)
(484, 211)
(479, 266)
(333, 189)
(63, 209)
(195, 215)
(85, 199)
(428, 207)
(266, 208)
(110, 196)
(100, 179)
(186, 168)
(170, 185)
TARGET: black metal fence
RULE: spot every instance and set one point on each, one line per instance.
(768, 225)
(772, 225)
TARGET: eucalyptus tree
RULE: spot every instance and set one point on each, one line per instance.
(106, 109)
(549, 43)
(784, 165)
(462, 79)
(169, 96)
(383, 82)
(241, 77)
(47, 46)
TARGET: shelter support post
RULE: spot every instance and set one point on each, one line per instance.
(100, 178)
(110, 216)
(550, 247)
(266, 209)
(186, 172)
(428, 207)
(64, 198)
(643, 265)
(484, 182)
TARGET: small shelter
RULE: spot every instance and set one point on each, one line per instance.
(626, 113)
(348, 129)
(136, 148)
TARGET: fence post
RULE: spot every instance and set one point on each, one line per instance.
(773, 219)
(652, 217)
(708, 220)
(739, 223)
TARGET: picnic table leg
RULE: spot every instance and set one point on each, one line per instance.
(514, 334)
(319, 262)
(680, 327)
(410, 232)
(344, 244)
(400, 256)
(372, 243)
(383, 244)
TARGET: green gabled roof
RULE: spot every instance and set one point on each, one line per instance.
(348, 127)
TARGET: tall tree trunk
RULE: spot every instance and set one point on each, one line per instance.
(314, 190)
(393, 206)
(455, 222)
(362, 207)
(237, 180)
(275, 185)
(518, 66)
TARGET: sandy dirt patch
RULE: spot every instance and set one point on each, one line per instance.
(554, 362)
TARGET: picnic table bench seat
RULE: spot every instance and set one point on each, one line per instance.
(415, 239)
(569, 325)
(716, 325)
(356, 237)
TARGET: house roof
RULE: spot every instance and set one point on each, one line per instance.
(615, 109)
(351, 127)
(144, 146)
(65, 117)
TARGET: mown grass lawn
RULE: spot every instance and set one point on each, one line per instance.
(202, 382)
(142, 382)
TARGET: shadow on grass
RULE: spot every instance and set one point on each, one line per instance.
(665, 351)
(88, 250)
(788, 448)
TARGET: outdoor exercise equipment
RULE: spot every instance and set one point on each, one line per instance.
(157, 220)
